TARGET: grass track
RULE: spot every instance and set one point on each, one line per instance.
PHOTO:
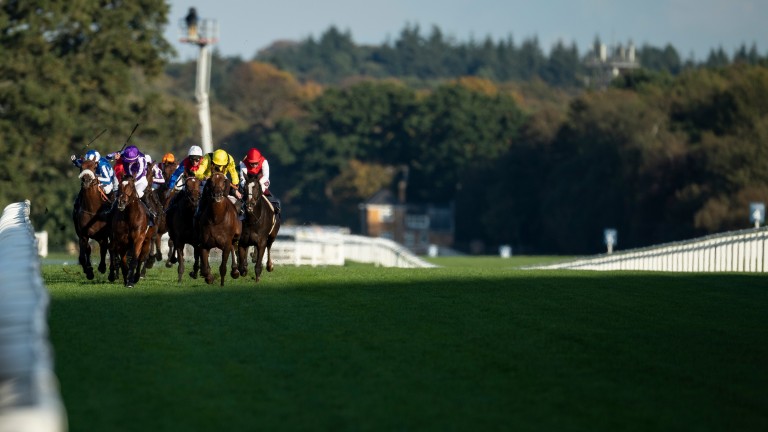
(475, 345)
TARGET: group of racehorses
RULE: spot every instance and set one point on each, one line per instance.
(201, 216)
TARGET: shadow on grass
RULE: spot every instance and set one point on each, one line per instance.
(380, 349)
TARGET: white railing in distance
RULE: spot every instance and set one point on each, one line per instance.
(735, 251)
(29, 392)
(314, 246)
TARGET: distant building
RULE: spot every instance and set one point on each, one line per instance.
(607, 63)
(415, 226)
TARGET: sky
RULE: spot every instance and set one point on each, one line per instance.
(693, 27)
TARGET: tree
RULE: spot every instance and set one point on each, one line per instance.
(72, 65)
(455, 129)
(262, 93)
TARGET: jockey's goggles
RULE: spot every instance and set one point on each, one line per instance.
(195, 159)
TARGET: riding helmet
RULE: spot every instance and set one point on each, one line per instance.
(254, 156)
(220, 157)
(169, 158)
(131, 153)
(195, 151)
(92, 155)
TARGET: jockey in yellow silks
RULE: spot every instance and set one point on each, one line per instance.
(223, 162)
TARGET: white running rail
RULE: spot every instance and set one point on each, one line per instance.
(29, 392)
(735, 251)
(315, 246)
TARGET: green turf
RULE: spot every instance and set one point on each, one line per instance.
(475, 345)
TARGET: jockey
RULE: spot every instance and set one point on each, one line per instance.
(254, 164)
(188, 167)
(106, 174)
(119, 171)
(223, 162)
(168, 158)
(157, 173)
(135, 164)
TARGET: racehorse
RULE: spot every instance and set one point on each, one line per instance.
(260, 229)
(218, 226)
(131, 233)
(90, 223)
(181, 228)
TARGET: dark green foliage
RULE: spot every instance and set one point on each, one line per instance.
(73, 69)
(668, 160)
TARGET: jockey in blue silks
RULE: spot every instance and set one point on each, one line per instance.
(105, 174)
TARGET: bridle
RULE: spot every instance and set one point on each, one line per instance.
(124, 198)
(218, 191)
(190, 195)
(88, 179)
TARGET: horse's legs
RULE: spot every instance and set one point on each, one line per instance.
(158, 246)
(242, 259)
(270, 267)
(235, 273)
(103, 247)
(205, 268)
(150, 262)
(180, 253)
(270, 240)
(170, 246)
(259, 258)
(113, 271)
(143, 256)
(85, 257)
(196, 265)
(223, 266)
(124, 266)
(172, 253)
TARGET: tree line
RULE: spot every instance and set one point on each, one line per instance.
(659, 159)
(664, 154)
(421, 58)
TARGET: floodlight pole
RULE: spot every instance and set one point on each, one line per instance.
(202, 34)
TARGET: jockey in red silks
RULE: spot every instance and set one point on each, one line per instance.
(255, 165)
(119, 171)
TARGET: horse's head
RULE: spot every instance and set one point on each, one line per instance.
(192, 189)
(150, 172)
(126, 193)
(88, 174)
(253, 193)
(168, 169)
(218, 186)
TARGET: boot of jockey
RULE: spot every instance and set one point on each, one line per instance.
(150, 213)
(273, 200)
